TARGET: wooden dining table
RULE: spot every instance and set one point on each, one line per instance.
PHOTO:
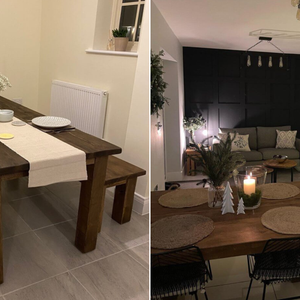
(91, 202)
(233, 234)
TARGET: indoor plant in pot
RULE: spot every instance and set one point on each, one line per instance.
(192, 124)
(121, 39)
(218, 165)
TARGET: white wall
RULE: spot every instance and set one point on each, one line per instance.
(20, 23)
(162, 37)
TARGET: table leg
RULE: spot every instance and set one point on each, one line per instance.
(292, 174)
(188, 166)
(275, 175)
(1, 244)
(123, 201)
(272, 180)
(91, 205)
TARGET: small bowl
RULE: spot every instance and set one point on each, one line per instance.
(6, 115)
(280, 158)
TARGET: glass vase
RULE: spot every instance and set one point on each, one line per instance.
(215, 196)
(248, 183)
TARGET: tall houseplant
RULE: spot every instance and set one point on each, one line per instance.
(218, 166)
(158, 85)
(121, 39)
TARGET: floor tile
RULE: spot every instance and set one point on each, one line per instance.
(12, 223)
(229, 270)
(128, 235)
(18, 189)
(60, 239)
(43, 210)
(117, 277)
(287, 289)
(61, 287)
(68, 192)
(140, 254)
(27, 260)
(238, 291)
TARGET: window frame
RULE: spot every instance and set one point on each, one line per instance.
(115, 20)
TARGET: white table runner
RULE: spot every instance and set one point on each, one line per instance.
(50, 159)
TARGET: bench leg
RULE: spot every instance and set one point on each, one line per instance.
(123, 201)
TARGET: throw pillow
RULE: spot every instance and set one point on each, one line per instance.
(286, 139)
(222, 137)
(240, 143)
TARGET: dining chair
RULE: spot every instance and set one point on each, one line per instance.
(278, 262)
(179, 272)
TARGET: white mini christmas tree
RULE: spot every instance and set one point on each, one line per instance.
(241, 207)
(227, 191)
(227, 206)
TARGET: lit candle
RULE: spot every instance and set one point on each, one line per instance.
(249, 185)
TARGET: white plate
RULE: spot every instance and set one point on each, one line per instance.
(51, 122)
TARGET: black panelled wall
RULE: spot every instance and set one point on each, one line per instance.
(219, 85)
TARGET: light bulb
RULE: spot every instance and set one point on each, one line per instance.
(298, 13)
(259, 62)
(294, 2)
(280, 62)
(248, 61)
(270, 62)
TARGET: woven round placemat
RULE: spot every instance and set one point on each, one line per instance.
(282, 219)
(179, 231)
(184, 198)
(279, 191)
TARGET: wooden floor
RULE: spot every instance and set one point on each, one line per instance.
(41, 261)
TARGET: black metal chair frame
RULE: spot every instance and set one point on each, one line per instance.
(179, 272)
(278, 262)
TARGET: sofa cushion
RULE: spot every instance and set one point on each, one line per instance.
(240, 142)
(268, 153)
(252, 155)
(286, 139)
(266, 136)
(247, 130)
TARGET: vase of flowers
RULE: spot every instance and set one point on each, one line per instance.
(218, 165)
(192, 124)
(4, 83)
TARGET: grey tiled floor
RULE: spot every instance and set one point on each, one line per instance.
(41, 261)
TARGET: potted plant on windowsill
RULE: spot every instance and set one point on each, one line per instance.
(121, 39)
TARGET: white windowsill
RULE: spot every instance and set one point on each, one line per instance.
(108, 52)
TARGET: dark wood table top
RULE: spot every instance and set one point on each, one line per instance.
(11, 163)
(233, 235)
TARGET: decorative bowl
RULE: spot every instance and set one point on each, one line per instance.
(6, 115)
(280, 158)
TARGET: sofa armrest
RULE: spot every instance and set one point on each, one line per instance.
(298, 144)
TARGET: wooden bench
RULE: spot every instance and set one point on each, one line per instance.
(123, 176)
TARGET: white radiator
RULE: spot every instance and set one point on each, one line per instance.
(84, 106)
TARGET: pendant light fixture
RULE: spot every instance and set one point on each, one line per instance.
(270, 62)
(266, 39)
(259, 62)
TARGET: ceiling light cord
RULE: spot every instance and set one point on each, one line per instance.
(276, 47)
(253, 46)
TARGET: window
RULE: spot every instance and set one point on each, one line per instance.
(129, 15)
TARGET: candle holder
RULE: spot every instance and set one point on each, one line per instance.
(248, 182)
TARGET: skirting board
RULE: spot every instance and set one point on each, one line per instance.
(140, 203)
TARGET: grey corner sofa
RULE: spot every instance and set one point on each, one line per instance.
(262, 142)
